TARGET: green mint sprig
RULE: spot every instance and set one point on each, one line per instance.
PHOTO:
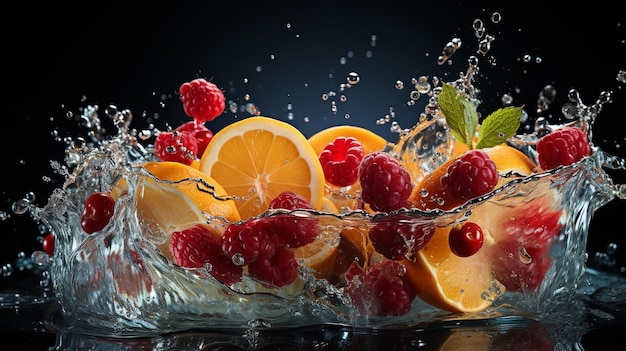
(462, 118)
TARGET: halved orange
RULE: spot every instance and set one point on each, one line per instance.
(450, 282)
(185, 198)
(257, 158)
(320, 255)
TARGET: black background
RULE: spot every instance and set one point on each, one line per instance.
(57, 58)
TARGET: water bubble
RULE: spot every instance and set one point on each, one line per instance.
(507, 99)
(238, 259)
(259, 69)
(414, 95)
(20, 206)
(496, 17)
(526, 58)
(353, 78)
(343, 60)
(621, 76)
(399, 85)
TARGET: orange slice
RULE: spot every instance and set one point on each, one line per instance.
(452, 283)
(257, 158)
(371, 141)
(320, 255)
(166, 207)
(428, 193)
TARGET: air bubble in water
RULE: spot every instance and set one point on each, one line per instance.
(496, 17)
(399, 85)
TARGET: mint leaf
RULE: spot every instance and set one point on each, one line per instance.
(499, 126)
(460, 114)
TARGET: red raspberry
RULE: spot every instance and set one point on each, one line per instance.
(382, 289)
(202, 100)
(562, 147)
(246, 242)
(277, 270)
(289, 200)
(470, 175)
(385, 183)
(97, 212)
(199, 131)
(397, 238)
(176, 146)
(292, 230)
(466, 240)
(340, 160)
(197, 247)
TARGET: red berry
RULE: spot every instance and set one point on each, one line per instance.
(202, 100)
(277, 270)
(48, 244)
(466, 240)
(471, 175)
(197, 247)
(340, 160)
(522, 258)
(97, 212)
(289, 200)
(177, 146)
(562, 147)
(398, 238)
(382, 289)
(292, 230)
(246, 242)
(385, 184)
(199, 131)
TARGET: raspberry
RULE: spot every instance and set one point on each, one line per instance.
(277, 270)
(470, 175)
(385, 183)
(177, 146)
(97, 212)
(202, 100)
(197, 246)
(199, 131)
(289, 200)
(292, 230)
(396, 238)
(340, 160)
(465, 240)
(562, 147)
(245, 243)
(382, 289)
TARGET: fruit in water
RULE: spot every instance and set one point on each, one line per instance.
(470, 175)
(257, 158)
(200, 132)
(202, 100)
(245, 242)
(183, 198)
(340, 160)
(431, 193)
(177, 146)
(399, 237)
(465, 240)
(386, 184)
(523, 236)
(48, 244)
(380, 289)
(450, 282)
(280, 269)
(293, 230)
(562, 147)
(97, 212)
(198, 247)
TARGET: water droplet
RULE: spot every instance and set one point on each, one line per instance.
(353, 78)
(399, 85)
(238, 259)
(523, 255)
(496, 17)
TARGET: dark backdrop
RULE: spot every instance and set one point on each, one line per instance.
(58, 57)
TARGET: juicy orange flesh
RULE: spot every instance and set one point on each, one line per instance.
(457, 284)
(260, 167)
